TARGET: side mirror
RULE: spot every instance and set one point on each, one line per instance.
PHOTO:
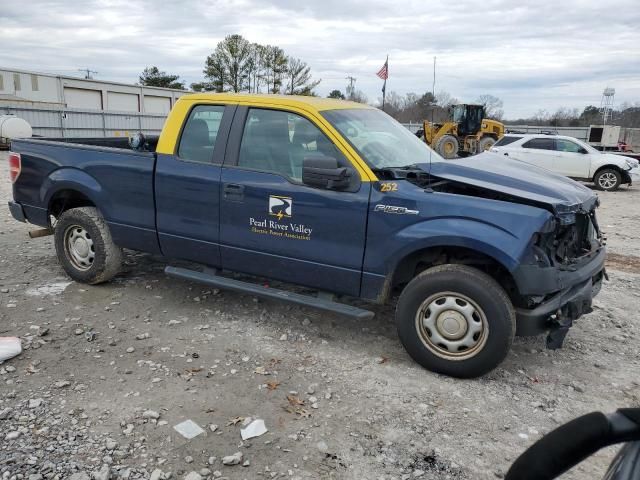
(324, 172)
(583, 151)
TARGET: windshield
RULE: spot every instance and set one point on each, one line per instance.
(379, 139)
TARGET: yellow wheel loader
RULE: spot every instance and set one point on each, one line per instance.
(466, 134)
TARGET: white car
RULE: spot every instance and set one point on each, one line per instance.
(570, 157)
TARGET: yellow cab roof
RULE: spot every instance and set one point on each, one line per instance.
(296, 101)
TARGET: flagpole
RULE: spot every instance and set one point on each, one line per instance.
(384, 86)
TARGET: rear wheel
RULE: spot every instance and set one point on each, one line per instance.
(608, 179)
(456, 320)
(84, 246)
(447, 146)
(485, 144)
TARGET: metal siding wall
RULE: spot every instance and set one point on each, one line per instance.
(51, 122)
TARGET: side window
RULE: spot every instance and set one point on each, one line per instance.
(567, 146)
(506, 140)
(277, 141)
(199, 133)
(540, 144)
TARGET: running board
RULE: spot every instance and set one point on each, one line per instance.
(254, 289)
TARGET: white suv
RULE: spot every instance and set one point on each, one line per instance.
(570, 157)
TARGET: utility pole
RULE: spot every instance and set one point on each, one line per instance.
(351, 88)
(87, 73)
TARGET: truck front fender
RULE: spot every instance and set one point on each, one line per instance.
(504, 246)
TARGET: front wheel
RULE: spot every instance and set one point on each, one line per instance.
(447, 146)
(608, 180)
(485, 144)
(456, 320)
(84, 246)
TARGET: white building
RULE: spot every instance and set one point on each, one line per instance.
(85, 94)
(61, 106)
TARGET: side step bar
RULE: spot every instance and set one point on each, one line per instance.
(254, 289)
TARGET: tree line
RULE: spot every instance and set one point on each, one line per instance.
(237, 65)
(626, 115)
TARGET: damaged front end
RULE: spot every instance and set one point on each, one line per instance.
(562, 267)
(566, 273)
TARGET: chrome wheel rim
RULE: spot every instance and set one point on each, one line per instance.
(607, 180)
(452, 326)
(79, 247)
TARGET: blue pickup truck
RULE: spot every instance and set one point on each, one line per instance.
(335, 197)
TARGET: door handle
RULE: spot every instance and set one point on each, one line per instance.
(233, 191)
(506, 154)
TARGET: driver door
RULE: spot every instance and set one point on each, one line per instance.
(273, 225)
(571, 159)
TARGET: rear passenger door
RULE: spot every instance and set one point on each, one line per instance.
(273, 225)
(187, 186)
(537, 151)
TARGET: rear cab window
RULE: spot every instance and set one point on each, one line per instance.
(540, 144)
(506, 140)
(199, 134)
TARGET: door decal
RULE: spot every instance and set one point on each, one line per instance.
(282, 208)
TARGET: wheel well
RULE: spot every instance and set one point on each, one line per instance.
(67, 199)
(608, 167)
(416, 262)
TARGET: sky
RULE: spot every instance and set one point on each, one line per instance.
(533, 55)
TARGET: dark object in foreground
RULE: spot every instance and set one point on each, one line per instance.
(573, 442)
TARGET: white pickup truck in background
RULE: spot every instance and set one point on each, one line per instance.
(570, 157)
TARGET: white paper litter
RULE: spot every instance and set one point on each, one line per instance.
(188, 429)
(9, 348)
(254, 429)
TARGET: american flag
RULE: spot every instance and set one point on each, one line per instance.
(383, 73)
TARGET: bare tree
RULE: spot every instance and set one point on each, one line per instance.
(445, 99)
(358, 96)
(492, 106)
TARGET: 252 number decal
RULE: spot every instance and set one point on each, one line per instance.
(388, 187)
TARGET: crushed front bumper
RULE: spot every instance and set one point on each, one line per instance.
(557, 312)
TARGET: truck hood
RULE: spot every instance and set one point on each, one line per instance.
(517, 179)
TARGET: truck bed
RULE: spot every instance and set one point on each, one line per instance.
(106, 171)
(110, 142)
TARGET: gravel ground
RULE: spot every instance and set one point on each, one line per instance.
(108, 371)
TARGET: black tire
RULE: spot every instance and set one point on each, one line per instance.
(490, 305)
(447, 146)
(84, 246)
(485, 144)
(608, 179)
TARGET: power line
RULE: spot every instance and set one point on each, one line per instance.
(87, 73)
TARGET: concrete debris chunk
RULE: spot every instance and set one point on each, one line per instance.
(193, 476)
(234, 459)
(151, 414)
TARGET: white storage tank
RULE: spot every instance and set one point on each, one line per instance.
(13, 127)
